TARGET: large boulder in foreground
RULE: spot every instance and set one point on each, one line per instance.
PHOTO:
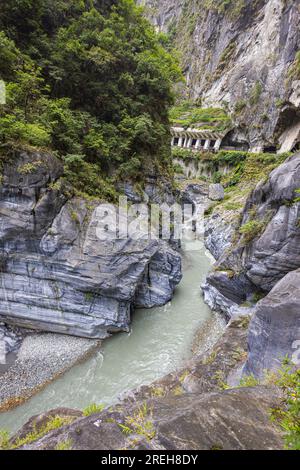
(275, 328)
(56, 274)
(230, 420)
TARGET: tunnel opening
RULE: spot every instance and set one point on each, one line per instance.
(232, 142)
(296, 148)
(270, 149)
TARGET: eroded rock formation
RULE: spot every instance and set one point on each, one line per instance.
(56, 274)
(252, 263)
(275, 328)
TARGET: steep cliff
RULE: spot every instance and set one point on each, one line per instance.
(241, 55)
(56, 274)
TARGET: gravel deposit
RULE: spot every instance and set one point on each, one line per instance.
(41, 358)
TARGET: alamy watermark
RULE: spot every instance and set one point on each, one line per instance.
(2, 92)
(146, 221)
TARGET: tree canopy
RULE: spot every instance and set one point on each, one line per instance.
(88, 78)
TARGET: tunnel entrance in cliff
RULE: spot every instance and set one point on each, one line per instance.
(287, 129)
(234, 141)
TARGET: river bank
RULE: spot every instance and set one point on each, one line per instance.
(188, 409)
(42, 358)
(160, 341)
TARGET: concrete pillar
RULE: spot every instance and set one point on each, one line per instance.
(172, 141)
(207, 144)
(218, 145)
(190, 141)
(180, 142)
(256, 149)
(198, 144)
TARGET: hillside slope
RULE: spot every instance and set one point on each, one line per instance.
(243, 56)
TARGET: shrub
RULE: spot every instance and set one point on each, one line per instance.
(4, 440)
(240, 106)
(233, 157)
(140, 423)
(217, 177)
(251, 230)
(189, 114)
(55, 422)
(288, 416)
(256, 93)
(64, 445)
(93, 409)
(294, 71)
(248, 381)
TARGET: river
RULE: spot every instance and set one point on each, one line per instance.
(160, 341)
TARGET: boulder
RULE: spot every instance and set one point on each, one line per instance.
(230, 420)
(216, 192)
(275, 328)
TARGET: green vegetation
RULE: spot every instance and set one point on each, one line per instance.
(294, 71)
(240, 106)
(65, 445)
(4, 440)
(232, 8)
(90, 80)
(219, 377)
(256, 93)
(93, 409)
(249, 167)
(297, 198)
(225, 58)
(288, 415)
(185, 154)
(157, 392)
(233, 206)
(245, 166)
(140, 423)
(55, 422)
(251, 230)
(188, 114)
(178, 169)
(248, 381)
(30, 167)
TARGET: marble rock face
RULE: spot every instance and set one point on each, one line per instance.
(244, 269)
(56, 273)
(275, 328)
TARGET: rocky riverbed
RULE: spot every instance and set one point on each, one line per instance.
(41, 358)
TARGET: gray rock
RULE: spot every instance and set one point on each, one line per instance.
(10, 339)
(219, 234)
(230, 420)
(276, 252)
(254, 267)
(220, 303)
(57, 275)
(38, 422)
(275, 328)
(216, 192)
